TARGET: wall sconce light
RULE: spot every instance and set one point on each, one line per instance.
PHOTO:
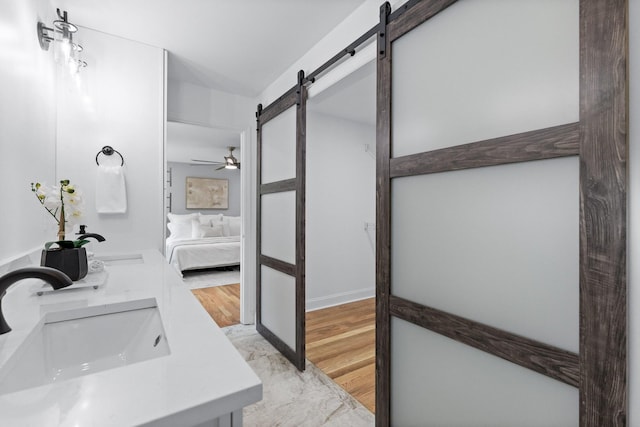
(66, 51)
(43, 36)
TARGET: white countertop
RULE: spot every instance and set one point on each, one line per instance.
(202, 378)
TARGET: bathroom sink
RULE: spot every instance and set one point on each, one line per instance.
(73, 343)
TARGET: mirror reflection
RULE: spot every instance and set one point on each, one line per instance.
(203, 203)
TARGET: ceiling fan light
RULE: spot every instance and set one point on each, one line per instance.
(231, 166)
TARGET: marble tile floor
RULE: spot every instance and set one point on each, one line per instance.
(198, 279)
(292, 398)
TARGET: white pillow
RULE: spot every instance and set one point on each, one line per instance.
(198, 231)
(231, 225)
(234, 225)
(214, 231)
(179, 230)
(187, 218)
(210, 220)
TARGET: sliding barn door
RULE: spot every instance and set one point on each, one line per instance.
(280, 308)
(501, 225)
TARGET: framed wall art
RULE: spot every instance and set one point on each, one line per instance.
(207, 193)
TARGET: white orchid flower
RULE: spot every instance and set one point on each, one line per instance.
(56, 200)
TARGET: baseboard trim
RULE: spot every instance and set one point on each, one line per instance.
(340, 298)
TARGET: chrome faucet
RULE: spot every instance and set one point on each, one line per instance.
(56, 278)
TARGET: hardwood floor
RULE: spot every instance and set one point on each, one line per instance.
(221, 302)
(341, 342)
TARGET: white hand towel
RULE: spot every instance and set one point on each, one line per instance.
(111, 194)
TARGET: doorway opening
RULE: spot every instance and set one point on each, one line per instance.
(340, 232)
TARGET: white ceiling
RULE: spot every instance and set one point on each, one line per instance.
(239, 46)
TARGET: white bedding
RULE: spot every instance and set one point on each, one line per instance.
(191, 254)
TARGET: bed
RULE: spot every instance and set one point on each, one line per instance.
(200, 241)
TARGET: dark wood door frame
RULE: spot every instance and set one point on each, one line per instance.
(297, 96)
(600, 140)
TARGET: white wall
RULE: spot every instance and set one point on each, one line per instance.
(634, 213)
(27, 126)
(117, 101)
(195, 104)
(180, 172)
(341, 194)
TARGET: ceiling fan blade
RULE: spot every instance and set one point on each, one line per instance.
(213, 162)
(228, 161)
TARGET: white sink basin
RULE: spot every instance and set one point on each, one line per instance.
(74, 343)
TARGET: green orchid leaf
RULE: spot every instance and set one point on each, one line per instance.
(66, 244)
(80, 243)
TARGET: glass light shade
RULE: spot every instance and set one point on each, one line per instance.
(65, 50)
(75, 65)
(63, 47)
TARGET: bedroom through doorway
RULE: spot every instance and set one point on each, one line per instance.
(203, 205)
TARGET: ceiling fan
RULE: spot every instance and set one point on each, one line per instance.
(230, 162)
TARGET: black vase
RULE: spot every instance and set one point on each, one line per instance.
(72, 262)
